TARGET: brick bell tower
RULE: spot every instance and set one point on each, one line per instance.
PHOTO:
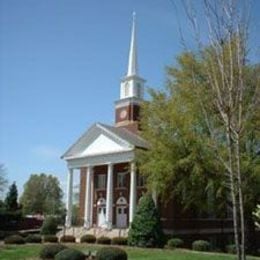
(127, 108)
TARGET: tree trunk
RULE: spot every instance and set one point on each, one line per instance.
(233, 192)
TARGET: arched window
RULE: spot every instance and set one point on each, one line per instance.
(101, 202)
(121, 201)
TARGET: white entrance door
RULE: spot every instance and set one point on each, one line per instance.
(101, 216)
(121, 217)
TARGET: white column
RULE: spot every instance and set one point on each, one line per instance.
(109, 198)
(69, 198)
(87, 213)
(92, 198)
(132, 200)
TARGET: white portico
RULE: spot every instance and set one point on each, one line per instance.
(106, 146)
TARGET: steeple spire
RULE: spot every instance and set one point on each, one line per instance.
(132, 61)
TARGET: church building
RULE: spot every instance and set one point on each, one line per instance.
(110, 184)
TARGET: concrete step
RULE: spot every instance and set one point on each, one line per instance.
(78, 232)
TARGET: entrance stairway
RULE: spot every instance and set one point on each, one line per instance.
(78, 232)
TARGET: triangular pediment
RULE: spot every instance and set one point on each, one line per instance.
(103, 145)
(103, 139)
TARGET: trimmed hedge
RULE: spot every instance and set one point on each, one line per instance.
(49, 226)
(201, 245)
(50, 239)
(49, 251)
(111, 253)
(175, 243)
(231, 249)
(15, 239)
(119, 241)
(88, 239)
(104, 240)
(67, 239)
(33, 239)
(70, 254)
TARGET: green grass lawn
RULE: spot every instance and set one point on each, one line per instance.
(29, 251)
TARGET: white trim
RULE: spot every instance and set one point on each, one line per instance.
(101, 159)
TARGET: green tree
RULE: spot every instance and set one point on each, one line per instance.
(188, 143)
(3, 180)
(42, 195)
(145, 230)
(11, 200)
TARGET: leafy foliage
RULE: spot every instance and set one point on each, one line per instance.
(111, 253)
(3, 180)
(119, 241)
(175, 243)
(68, 239)
(104, 240)
(231, 249)
(49, 226)
(42, 195)
(183, 153)
(70, 254)
(88, 239)
(257, 216)
(15, 239)
(201, 245)
(145, 230)
(33, 239)
(11, 203)
(50, 238)
(49, 251)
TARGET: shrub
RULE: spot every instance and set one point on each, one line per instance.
(104, 240)
(33, 239)
(15, 239)
(175, 243)
(111, 253)
(68, 239)
(119, 241)
(49, 251)
(145, 230)
(50, 238)
(70, 254)
(201, 245)
(49, 226)
(24, 234)
(231, 249)
(88, 239)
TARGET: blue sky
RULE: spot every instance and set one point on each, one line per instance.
(60, 69)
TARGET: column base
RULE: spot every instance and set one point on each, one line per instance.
(109, 226)
(87, 225)
(68, 222)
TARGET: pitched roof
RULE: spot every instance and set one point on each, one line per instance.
(123, 135)
(126, 135)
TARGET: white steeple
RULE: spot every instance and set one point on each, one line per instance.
(132, 61)
(132, 84)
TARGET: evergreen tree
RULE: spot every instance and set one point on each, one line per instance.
(11, 198)
(145, 230)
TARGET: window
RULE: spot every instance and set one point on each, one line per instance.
(101, 181)
(121, 179)
(140, 180)
(126, 89)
